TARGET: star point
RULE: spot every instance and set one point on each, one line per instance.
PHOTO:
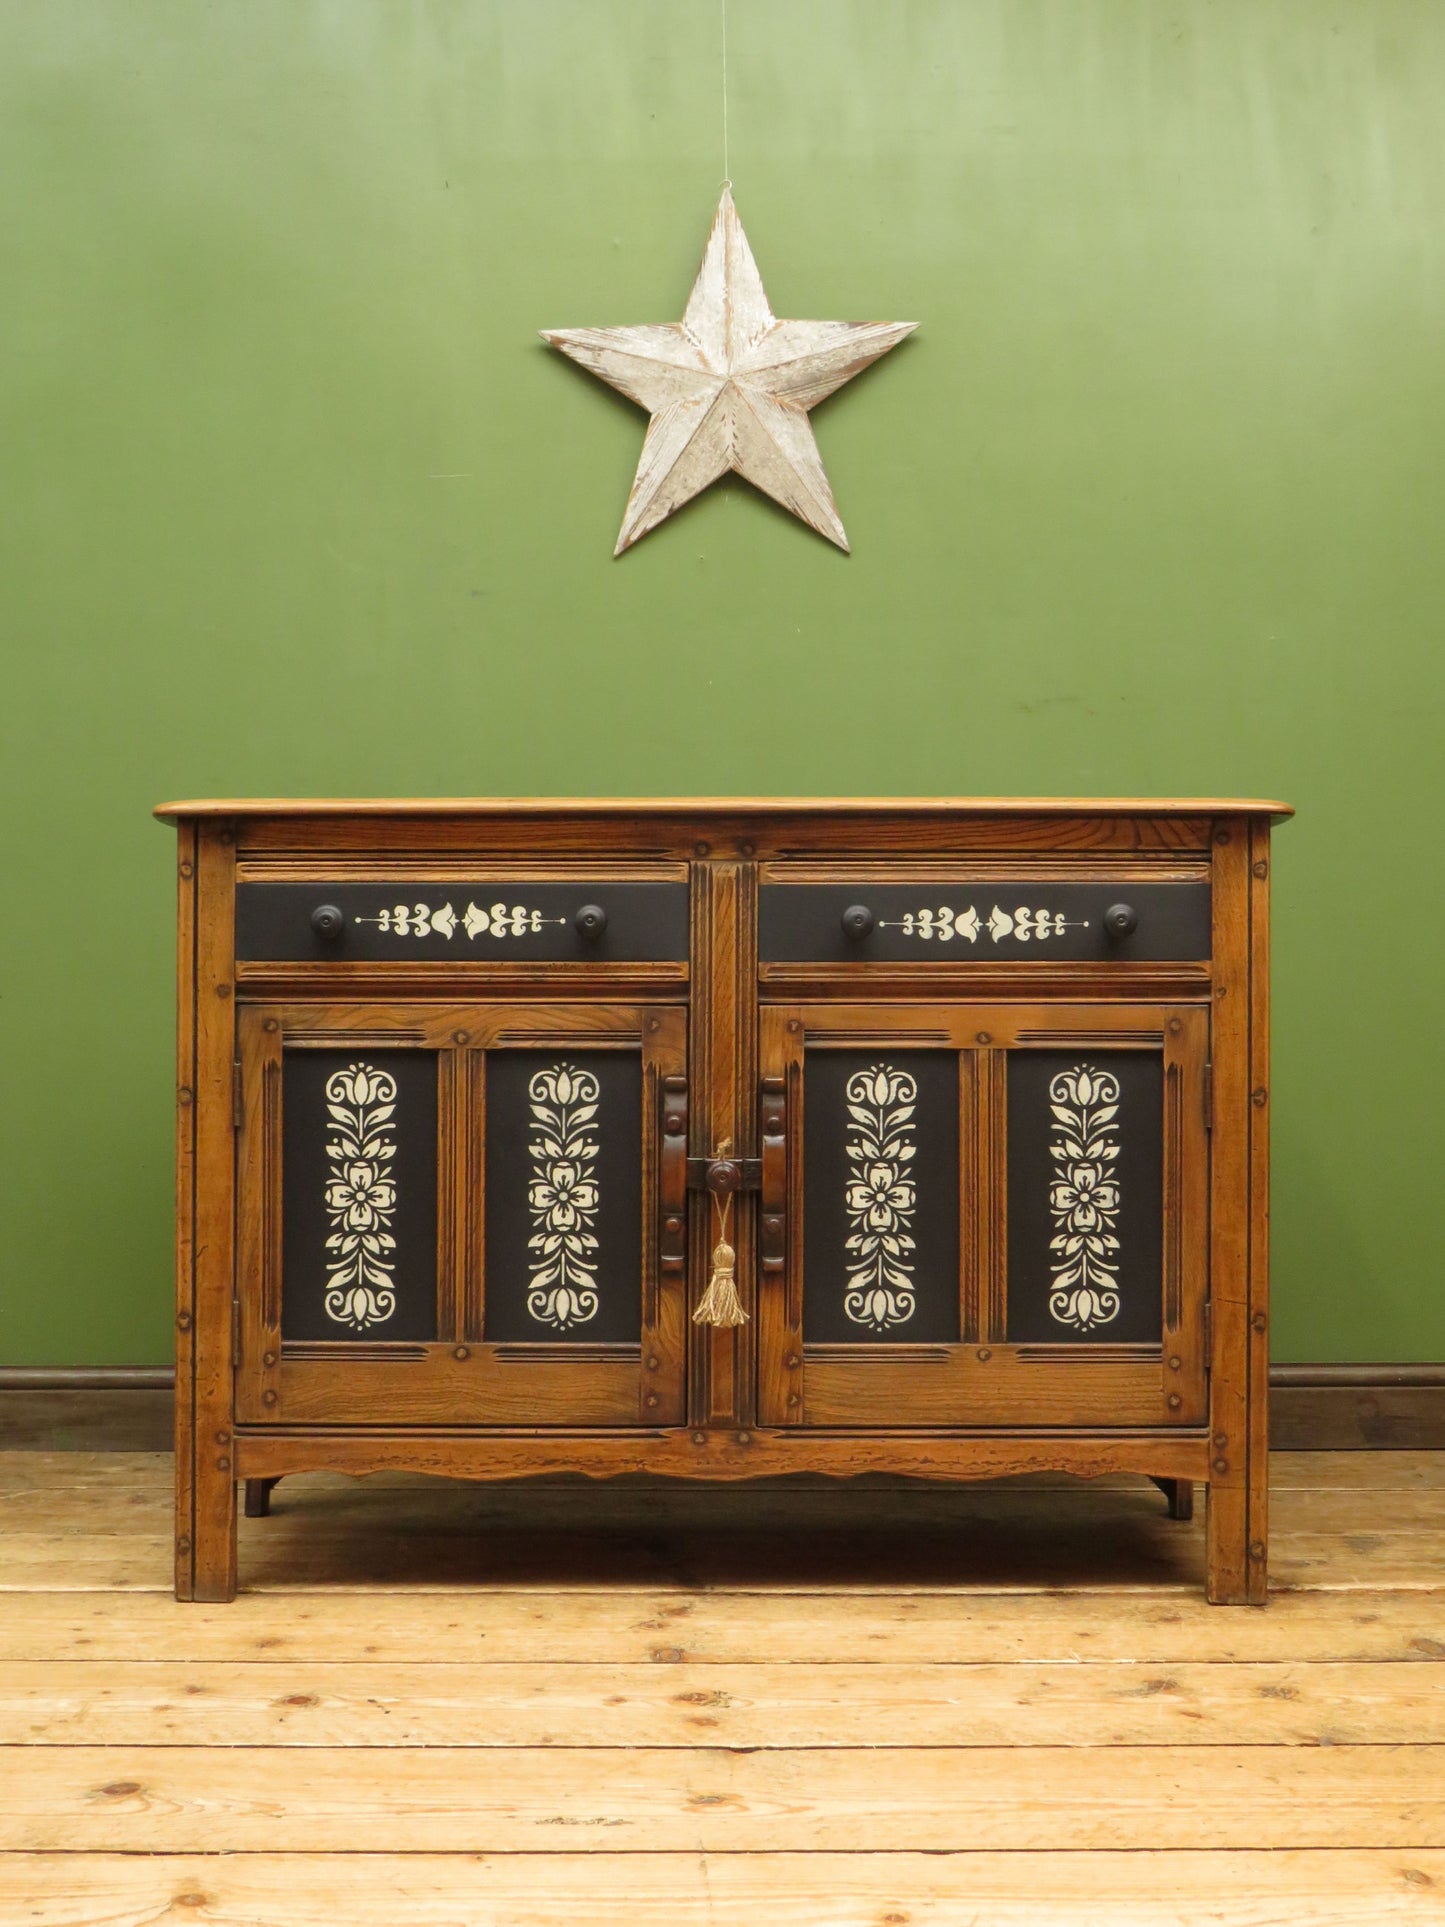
(729, 388)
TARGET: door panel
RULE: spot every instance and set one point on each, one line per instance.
(983, 1215)
(360, 1158)
(880, 1197)
(563, 1244)
(451, 1215)
(1085, 1208)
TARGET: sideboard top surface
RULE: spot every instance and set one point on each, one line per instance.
(836, 806)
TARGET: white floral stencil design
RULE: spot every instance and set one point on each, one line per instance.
(1084, 1197)
(563, 1196)
(360, 1197)
(946, 923)
(497, 920)
(880, 1197)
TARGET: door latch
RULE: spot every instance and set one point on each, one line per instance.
(724, 1176)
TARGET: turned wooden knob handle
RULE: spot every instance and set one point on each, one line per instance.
(858, 922)
(1121, 919)
(590, 921)
(328, 922)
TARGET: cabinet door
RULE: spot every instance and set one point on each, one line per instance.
(464, 1215)
(983, 1215)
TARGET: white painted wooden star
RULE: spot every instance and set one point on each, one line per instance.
(729, 387)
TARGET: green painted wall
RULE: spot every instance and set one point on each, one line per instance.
(295, 502)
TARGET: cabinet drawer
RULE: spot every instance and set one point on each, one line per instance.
(474, 920)
(1123, 921)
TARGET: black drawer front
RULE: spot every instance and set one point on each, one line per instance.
(951, 923)
(462, 922)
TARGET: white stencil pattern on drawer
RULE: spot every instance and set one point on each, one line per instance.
(360, 1197)
(563, 1196)
(1084, 1197)
(881, 1197)
(943, 924)
(497, 920)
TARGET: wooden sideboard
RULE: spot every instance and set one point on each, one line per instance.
(974, 1093)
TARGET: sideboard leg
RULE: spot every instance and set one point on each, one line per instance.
(1180, 1494)
(185, 1544)
(215, 1548)
(1237, 1513)
(1236, 1575)
(212, 1405)
(258, 1497)
(1224, 1543)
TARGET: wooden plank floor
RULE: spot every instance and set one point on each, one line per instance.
(806, 1704)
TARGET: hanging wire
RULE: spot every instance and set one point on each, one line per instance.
(727, 178)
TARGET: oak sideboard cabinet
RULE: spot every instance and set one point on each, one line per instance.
(723, 1139)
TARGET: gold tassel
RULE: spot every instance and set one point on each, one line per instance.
(720, 1304)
